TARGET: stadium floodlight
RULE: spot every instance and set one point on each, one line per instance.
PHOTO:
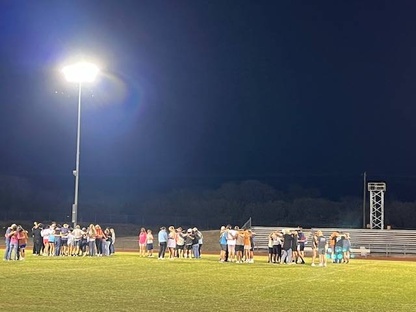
(80, 73)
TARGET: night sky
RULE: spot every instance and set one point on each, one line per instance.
(283, 91)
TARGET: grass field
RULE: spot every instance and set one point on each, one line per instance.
(126, 282)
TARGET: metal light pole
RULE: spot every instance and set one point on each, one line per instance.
(79, 73)
(76, 171)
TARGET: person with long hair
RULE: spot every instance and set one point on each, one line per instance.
(346, 247)
(92, 234)
(172, 242)
(142, 237)
(23, 238)
(51, 240)
(99, 240)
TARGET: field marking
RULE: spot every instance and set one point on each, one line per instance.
(302, 279)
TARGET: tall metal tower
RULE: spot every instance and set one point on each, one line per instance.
(377, 190)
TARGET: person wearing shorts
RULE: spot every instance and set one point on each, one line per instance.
(188, 243)
(180, 243)
(277, 246)
(23, 237)
(346, 247)
(231, 242)
(322, 246)
(142, 242)
(247, 245)
(301, 245)
(239, 245)
(51, 242)
(77, 232)
(149, 243)
(64, 240)
(45, 236)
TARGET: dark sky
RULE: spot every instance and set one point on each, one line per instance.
(211, 89)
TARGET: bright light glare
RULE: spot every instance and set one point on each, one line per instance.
(80, 72)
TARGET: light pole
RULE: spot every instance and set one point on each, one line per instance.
(79, 73)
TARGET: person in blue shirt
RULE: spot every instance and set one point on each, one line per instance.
(7, 242)
(163, 241)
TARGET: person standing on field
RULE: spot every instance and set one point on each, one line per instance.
(231, 242)
(314, 247)
(7, 241)
(322, 247)
(163, 241)
(142, 242)
(149, 243)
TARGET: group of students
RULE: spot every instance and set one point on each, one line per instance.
(178, 242)
(15, 240)
(56, 240)
(288, 247)
(237, 245)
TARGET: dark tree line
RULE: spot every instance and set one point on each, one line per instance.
(232, 202)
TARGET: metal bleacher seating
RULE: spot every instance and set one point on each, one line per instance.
(364, 241)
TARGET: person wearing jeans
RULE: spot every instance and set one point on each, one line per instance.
(7, 242)
(195, 246)
(91, 240)
(287, 248)
(163, 242)
(14, 244)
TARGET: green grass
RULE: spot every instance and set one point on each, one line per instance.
(126, 282)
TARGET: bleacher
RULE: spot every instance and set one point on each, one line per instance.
(363, 241)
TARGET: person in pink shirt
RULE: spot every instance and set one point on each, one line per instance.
(14, 243)
(142, 242)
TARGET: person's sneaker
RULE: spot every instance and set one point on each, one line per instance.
(313, 264)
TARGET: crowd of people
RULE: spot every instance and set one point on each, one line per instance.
(237, 245)
(288, 247)
(179, 243)
(59, 240)
(284, 246)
